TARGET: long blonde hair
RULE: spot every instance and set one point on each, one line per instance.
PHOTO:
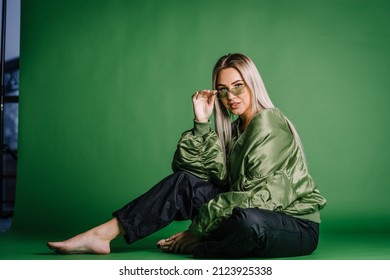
(259, 96)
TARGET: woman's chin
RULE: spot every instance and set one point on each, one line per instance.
(235, 112)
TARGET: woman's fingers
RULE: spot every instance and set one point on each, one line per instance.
(168, 243)
(182, 242)
(176, 235)
(203, 94)
(185, 246)
(207, 93)
(180, 246)
(165, 245)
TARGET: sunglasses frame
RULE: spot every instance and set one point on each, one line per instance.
(236, 90)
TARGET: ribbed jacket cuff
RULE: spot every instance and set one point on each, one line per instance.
(201, 128)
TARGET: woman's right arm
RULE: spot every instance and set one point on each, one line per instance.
(200, 153)
(199, 150)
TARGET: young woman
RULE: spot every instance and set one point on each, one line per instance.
(245, 186)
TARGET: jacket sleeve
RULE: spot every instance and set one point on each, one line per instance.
(264, 183)
(200, 153)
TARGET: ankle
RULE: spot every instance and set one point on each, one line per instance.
(107, 231)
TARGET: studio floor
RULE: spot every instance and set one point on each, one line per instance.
(333, 246)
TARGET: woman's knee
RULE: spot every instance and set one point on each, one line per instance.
(181, 175)
(185, 178)
(249, 221)
(180, 180)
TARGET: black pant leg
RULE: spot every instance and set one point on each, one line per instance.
(177, 197)
(259, 233)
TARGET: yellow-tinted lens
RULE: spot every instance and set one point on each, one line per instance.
(223, 93)
(237, 90)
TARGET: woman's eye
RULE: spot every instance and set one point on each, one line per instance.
(238, 85)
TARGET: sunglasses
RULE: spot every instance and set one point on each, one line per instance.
(236, 90)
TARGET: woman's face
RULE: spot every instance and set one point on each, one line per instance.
(239, 105)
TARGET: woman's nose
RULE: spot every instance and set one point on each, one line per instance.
(230, 95)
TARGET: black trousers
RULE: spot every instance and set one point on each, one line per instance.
(249, 232)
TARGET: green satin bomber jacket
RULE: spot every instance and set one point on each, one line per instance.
(266, 169)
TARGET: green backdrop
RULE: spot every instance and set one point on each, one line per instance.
(105, 91)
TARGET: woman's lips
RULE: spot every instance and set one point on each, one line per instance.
(234, 105)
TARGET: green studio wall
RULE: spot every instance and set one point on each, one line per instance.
(105, 91)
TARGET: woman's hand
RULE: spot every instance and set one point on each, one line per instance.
(203, 102)
(180, 243)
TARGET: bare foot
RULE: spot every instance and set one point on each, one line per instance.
(93, 241)
(85, 243)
